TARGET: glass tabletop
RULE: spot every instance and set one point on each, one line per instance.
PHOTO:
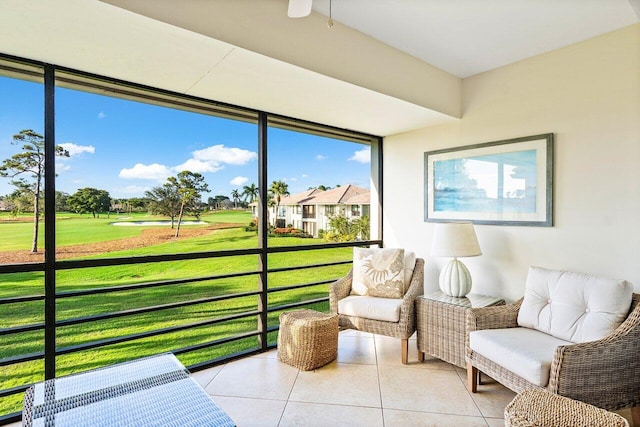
(469, 301)
(153, 391)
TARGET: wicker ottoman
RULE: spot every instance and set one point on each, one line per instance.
(307, 339)
(540, 408)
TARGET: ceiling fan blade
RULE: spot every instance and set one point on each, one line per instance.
(299, 8)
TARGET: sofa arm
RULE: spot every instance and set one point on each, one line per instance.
(604, 373)
(494, 317)
(338, 290)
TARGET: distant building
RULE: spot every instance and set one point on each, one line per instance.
(311, 210)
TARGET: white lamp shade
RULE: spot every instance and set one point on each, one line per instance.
(455, 239)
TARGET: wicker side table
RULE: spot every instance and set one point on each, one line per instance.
(441, 324)
(540, 408)
(307, 339)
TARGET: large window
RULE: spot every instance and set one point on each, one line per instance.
(158, 220)
(21, 301)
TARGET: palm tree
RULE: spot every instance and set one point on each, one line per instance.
(249, 193)
(235, 194)
(278, 189)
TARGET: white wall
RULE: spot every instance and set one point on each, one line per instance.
(588, 95)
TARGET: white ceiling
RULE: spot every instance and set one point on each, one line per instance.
(463, 37)
(467, 37)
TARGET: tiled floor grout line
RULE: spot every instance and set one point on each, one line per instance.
(464, 384)
(375, 352)
(288, 397)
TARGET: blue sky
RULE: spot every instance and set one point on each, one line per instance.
(128, 147)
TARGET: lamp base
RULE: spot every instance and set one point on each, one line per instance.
(455, 279)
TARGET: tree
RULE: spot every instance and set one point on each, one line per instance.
(61, 201)
(137, 203)
(219, 200)
(250, 193)
(235, 194)
(320, 187)
(189, 186)
(29, 161)
(20, 201)
(164, 200)
(90, 200)
(362, 226)
(211, 202)
(341, 229)
(278, 189)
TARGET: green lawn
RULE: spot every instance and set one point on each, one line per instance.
(76, 229)
(82, 229)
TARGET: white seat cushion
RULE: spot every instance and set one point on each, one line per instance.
(572, 306)
(525, 352)
(375, 308)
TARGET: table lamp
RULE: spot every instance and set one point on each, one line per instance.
(455, 239)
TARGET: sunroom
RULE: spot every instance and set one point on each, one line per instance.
(244, 95)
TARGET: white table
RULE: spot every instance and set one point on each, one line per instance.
(154, 391)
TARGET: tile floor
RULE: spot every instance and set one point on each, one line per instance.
(366, 386)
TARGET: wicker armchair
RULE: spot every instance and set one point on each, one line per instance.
(604, 373)
(402, 329)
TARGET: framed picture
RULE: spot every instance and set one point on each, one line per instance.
(506, 182)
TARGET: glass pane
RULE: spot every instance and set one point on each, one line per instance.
(319, 188)
(21, 226)
(141, 179)
(21, 170)
(149, 297)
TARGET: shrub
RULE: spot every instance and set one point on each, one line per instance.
(253, 226)
(290, 232)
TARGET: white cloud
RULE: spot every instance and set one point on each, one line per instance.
(213, 159)
(61, 167)
(362, 156)
(304, 175)
(221, 154)
(320, 157)
(101, 115)
(139, 171)
(199, 166)
(210, 159)
(294, 179)
(238, 180)
(75, 150)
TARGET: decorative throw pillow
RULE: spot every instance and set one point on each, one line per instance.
(378, 272)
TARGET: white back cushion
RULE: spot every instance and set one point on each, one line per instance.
(572, 306)
(409, 266)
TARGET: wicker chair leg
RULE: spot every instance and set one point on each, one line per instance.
(405, 351)
(472, 378)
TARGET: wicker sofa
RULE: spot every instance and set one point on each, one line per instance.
(402, 329)
(604, 372)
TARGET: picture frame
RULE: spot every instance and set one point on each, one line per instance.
(508, 182)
